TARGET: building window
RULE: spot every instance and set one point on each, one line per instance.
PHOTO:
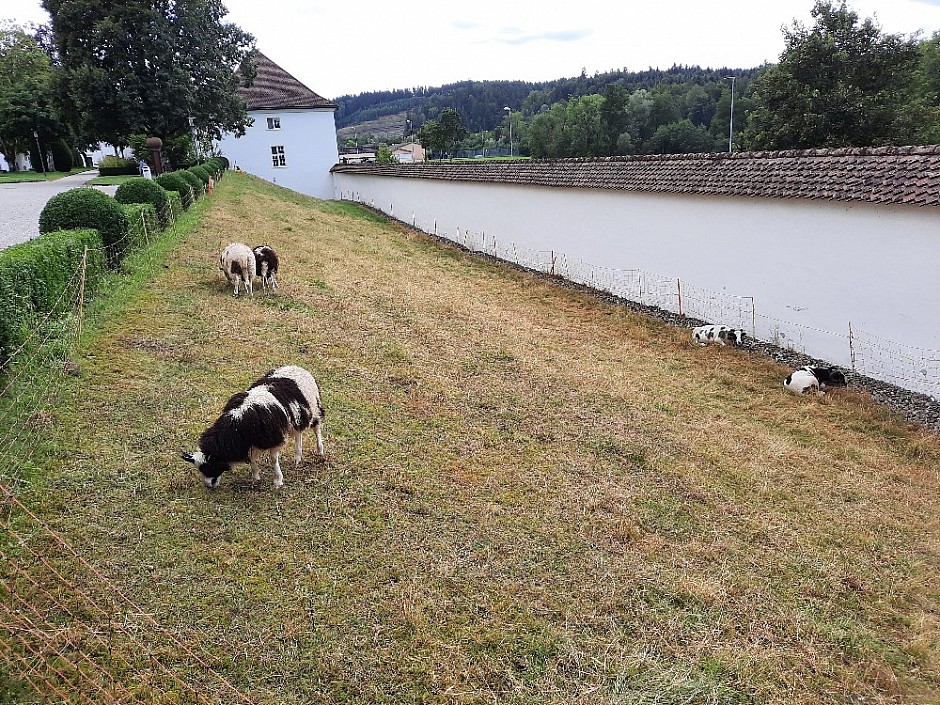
(274, 123)
(277, 156)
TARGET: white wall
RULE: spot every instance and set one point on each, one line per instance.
(812, 267)
(309, 141)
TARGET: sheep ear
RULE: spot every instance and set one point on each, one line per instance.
(188, 457)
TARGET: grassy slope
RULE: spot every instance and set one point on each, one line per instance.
(528, 496)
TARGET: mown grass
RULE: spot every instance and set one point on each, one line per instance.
(16, 177)
(528, 496)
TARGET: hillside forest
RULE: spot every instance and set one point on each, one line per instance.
(839, 82)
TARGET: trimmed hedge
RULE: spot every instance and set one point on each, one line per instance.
(173, 182)
(174, 205)
(34, 274)
(194, 182)
(118, 166)
(88, 208)
(201, 173)
(145, 191)
(62, 155)
(143, 224)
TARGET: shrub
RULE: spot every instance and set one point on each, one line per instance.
(34, 274)
(194, 182)
(174, 204)
(145, 191)
(62, 155)
(173, 181)
(117, 166)
(143, 222)
(87, 208)
(201, 173)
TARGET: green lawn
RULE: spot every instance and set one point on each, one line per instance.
(13, 177)
(111, 180)
(528, 497)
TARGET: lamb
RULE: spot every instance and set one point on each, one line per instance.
(722, 335)
(284, 402)
(814, 379)
(238, 263)
(266, 266)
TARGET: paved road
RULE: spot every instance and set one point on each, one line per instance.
(21, 204)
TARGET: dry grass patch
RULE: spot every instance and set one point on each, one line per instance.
(528, 496)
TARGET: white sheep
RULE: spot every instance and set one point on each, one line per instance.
(238, 262)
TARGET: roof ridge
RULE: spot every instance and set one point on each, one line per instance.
(889, 151)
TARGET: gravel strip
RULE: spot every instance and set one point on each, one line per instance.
(913, 406)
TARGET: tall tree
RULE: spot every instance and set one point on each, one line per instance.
(614, 117)
(149, 65)
(452, 129)
(839, 83)
(26, 94)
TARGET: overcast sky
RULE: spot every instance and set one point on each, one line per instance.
(339, 48)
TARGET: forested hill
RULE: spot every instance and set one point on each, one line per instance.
(481, 103)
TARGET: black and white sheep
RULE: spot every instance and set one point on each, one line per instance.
(814, 379)
(722, 335)
(282, 404)
(238, 262)
(266, 264)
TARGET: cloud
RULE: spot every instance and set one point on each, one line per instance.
(463, 24)
(568, 35)
(929, 2)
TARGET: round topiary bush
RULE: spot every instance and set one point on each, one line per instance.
(194, 182)
(201, 173)
(88, 208)
(172, 181)
(145, 191)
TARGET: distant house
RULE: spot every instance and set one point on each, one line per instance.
(409, 152)
(293, 139)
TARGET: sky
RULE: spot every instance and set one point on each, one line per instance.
(344, 48)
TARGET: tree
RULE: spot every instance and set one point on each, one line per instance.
(451, 127)
(147, 66)
(432, 137)
(26, 95)
(680, 138)
(384, 155)
(839, 83)
(614, 117)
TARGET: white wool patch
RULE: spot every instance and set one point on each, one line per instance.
(304, 380)
(199, 458)
(295, 413)
(258, 396)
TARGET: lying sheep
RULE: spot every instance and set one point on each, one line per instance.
(266, 263)
(238, 262)
(814, 379)
(722, 335)
(283, 403)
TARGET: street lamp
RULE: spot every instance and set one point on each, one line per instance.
(408, 126)
(731, 121)
(42, 162)
(510, 129)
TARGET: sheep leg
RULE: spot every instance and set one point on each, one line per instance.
(278, 475)
(274, 285)
(298, 449)
(253, 457)
(320, 440)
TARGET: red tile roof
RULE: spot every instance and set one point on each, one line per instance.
(275, 89)
(909, 175)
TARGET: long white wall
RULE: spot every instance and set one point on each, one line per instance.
(812, 267)
(309, 141)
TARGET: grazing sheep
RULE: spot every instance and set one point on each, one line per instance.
(722, 335)
(266, 266)
(238, 262)
(814, 379)
(285, 402)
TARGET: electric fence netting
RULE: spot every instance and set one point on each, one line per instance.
(70, 631)
(908, 367)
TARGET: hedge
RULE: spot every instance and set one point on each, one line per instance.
(201, 173)
(143, 224)
(194, 181)
(88, 208)
(34, 274)
(174, 205)
(173, 182)
(145, 191)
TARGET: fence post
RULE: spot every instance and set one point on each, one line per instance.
(679, 292)
(851, 346)
(143, 223)
(753, 318)
(553, 262)
(494, 247)
(81, 294)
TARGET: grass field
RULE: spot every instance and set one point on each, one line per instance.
(15, 177)
(111, 180)
(528, 496)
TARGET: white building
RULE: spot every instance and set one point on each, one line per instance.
(293, 139)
